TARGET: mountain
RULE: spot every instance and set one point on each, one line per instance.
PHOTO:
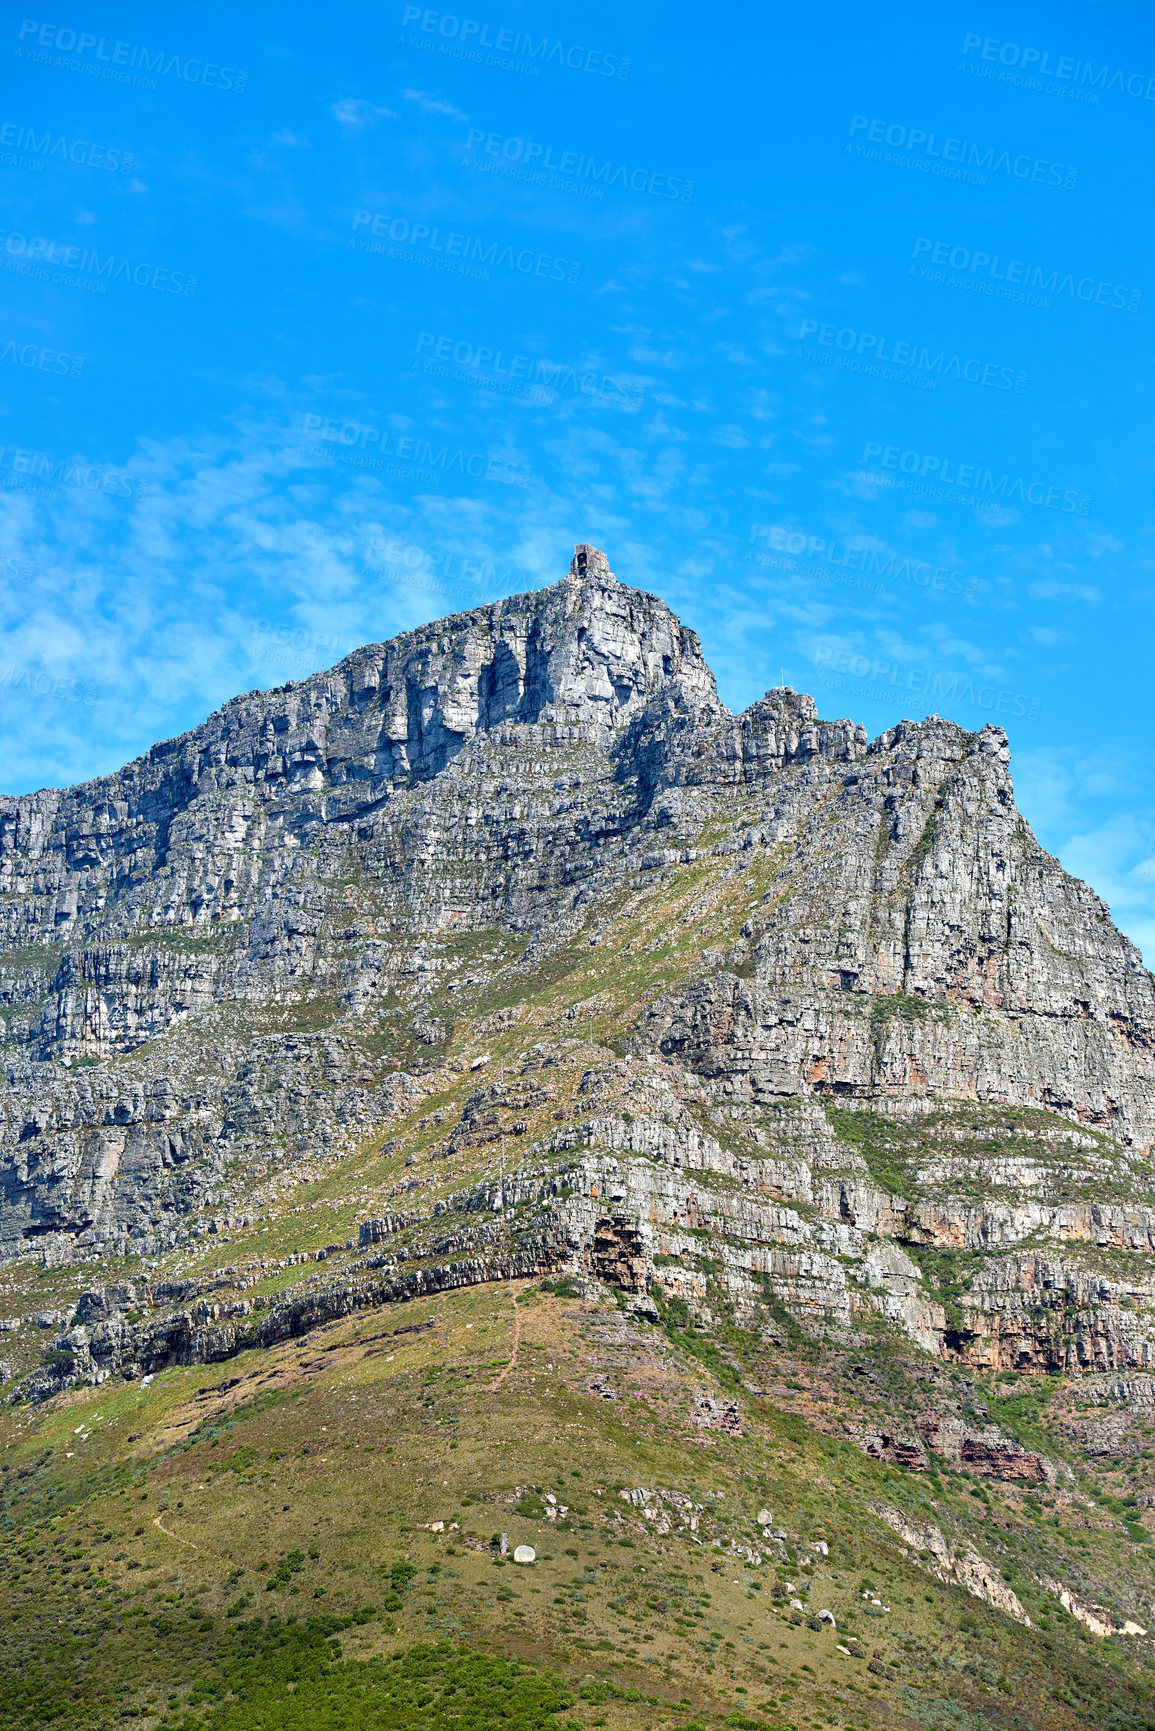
(779, 1064)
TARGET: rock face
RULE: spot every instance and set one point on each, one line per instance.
(919, 943)
(904, 1071)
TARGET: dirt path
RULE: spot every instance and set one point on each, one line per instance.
(157, 1522)
(502, 1374)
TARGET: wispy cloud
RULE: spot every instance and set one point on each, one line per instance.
(357, 115)
(1064, 592)
(133, 615)
(428, 104)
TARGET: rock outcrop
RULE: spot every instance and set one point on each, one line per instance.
(947, 1562)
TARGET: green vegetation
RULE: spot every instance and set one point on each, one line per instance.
(676, 1320)
(876, 1140)
(1022, 1412)
(901, 1007)
(287, 1678)
(129, 1589)
(58, 1358)
(241, 1459)
(949, 1273)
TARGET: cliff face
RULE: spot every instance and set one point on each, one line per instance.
(866, 1003)
(917, 942)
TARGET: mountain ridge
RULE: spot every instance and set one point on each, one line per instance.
(509, 768)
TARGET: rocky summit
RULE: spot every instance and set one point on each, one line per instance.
(491, 1093)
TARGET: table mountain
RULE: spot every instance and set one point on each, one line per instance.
(503, 952)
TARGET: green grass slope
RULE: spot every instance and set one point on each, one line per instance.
(312, 1536)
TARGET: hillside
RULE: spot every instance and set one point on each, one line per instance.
(491, 1089)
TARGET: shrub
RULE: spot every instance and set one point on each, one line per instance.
(421, 1689)
(563, 1288)
(291, 1565)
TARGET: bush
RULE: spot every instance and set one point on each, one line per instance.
(292, 1564)
(421, 1690)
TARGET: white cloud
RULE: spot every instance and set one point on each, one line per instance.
(356, 114)
(1064, 592)
(734, 438)
(141, 614)
(433, 104)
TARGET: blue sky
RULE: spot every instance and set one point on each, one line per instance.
(831, 325)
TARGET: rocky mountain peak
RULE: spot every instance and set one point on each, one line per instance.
(584, 652)
(888, 930)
